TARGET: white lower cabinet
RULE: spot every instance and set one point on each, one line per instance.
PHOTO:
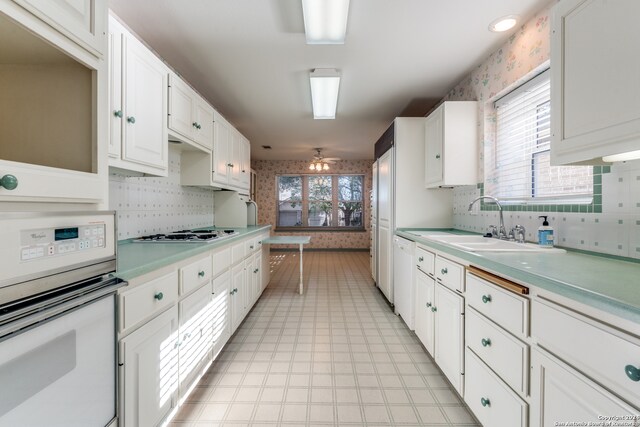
(149, 371)
(424, 311)
(196, 336)
(237, 294)
(561, 394)
(221, 311)
(490, 399)
(449, 335)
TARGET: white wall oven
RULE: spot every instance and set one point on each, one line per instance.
(57, 319)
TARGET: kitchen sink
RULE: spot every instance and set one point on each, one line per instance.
(484, 244)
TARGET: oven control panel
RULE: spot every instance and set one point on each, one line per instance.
(52, 242)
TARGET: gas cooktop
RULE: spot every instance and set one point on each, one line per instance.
(187, 236)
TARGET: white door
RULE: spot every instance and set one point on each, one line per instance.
(150, 366)
(221, 143)
(145, 115)
(196, 336)
(403, 282)
(434, 148)
(449, 332)
(237, 295)
(424, 314)
(558, 392)
(374, 221)
(221, 311)
(385, 224)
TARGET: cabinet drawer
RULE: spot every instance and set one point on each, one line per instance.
(600, 352)
(251, 245)
(425, 260)
(506, 355)
(490, 399)
(503, 307)
(143, 301)
(238, 252)
(221, 261)
(450, 274)
(195, 274)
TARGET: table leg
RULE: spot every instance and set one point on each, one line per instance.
(300, 268)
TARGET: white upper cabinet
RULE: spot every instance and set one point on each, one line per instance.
(53, 108)
(221, 154)
(138, 110)
(245, 163)
(190, 117)
(451, 141)
(83, 21)
(231, 156)
(595, 95)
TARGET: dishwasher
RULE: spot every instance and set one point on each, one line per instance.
(403, 270)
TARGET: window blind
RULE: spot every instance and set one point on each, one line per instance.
(519, 170)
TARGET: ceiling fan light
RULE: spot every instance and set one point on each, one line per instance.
(312, 166)
(325, 84)
(325, 21)
(325, 167)
(318, 167)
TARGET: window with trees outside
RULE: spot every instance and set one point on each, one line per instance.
(320, 202)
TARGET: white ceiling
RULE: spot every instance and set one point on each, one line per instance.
(250, 60)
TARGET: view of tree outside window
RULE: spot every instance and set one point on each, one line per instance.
(322, 201)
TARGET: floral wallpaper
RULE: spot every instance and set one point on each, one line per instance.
(266, 171)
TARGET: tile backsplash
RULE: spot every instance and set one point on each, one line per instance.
(147, 205)
(615, 231)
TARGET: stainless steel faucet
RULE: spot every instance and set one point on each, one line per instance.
(502, 232)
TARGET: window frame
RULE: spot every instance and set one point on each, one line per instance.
(491, 172)
(335, 200)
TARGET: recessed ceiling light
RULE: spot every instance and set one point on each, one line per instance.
(503, 24)
(325, 21)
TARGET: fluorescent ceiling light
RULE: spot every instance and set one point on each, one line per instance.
(325, 21)
(503, 24)
(325, 83)
(631, 155)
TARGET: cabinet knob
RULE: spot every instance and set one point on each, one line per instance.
(444, 271)
(195, 125)
(118, 113)
(256, 270)
(437, 156)
(251, 247)
(420, 259)
(428, 304)
(159, 296)
(434, 309)
(486, 298)
(230, 165)
(485, 402)
(131, 119)
(10, 182)
(486, 342)
(632, 372)
(201, 274)
(186, 336)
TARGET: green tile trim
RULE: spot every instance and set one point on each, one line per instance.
(594, 207)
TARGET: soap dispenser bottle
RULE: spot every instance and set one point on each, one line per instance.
(545, 233)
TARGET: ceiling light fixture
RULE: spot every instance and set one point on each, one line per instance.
(325, 21)
(504, 23)
(622, 157)
(325, 83)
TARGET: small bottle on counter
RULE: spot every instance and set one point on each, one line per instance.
(545, 234)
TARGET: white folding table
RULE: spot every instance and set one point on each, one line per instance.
(290, 240)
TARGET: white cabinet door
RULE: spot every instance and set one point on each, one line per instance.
(385, 224)
(149, 362)
(449, 345)
(83, 21)
(265, 268)
(145, 115)
(237, 294)
(425, 315)
(181, 117)
(221, 312)
(595, 98)
(221, 144)
(204, 123)
(433, 147)
(115, 90)
(196, 336)
(235, 174)
(245, 163)
(256, 272)
(559, 393)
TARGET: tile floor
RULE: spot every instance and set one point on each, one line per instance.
(335, 356)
